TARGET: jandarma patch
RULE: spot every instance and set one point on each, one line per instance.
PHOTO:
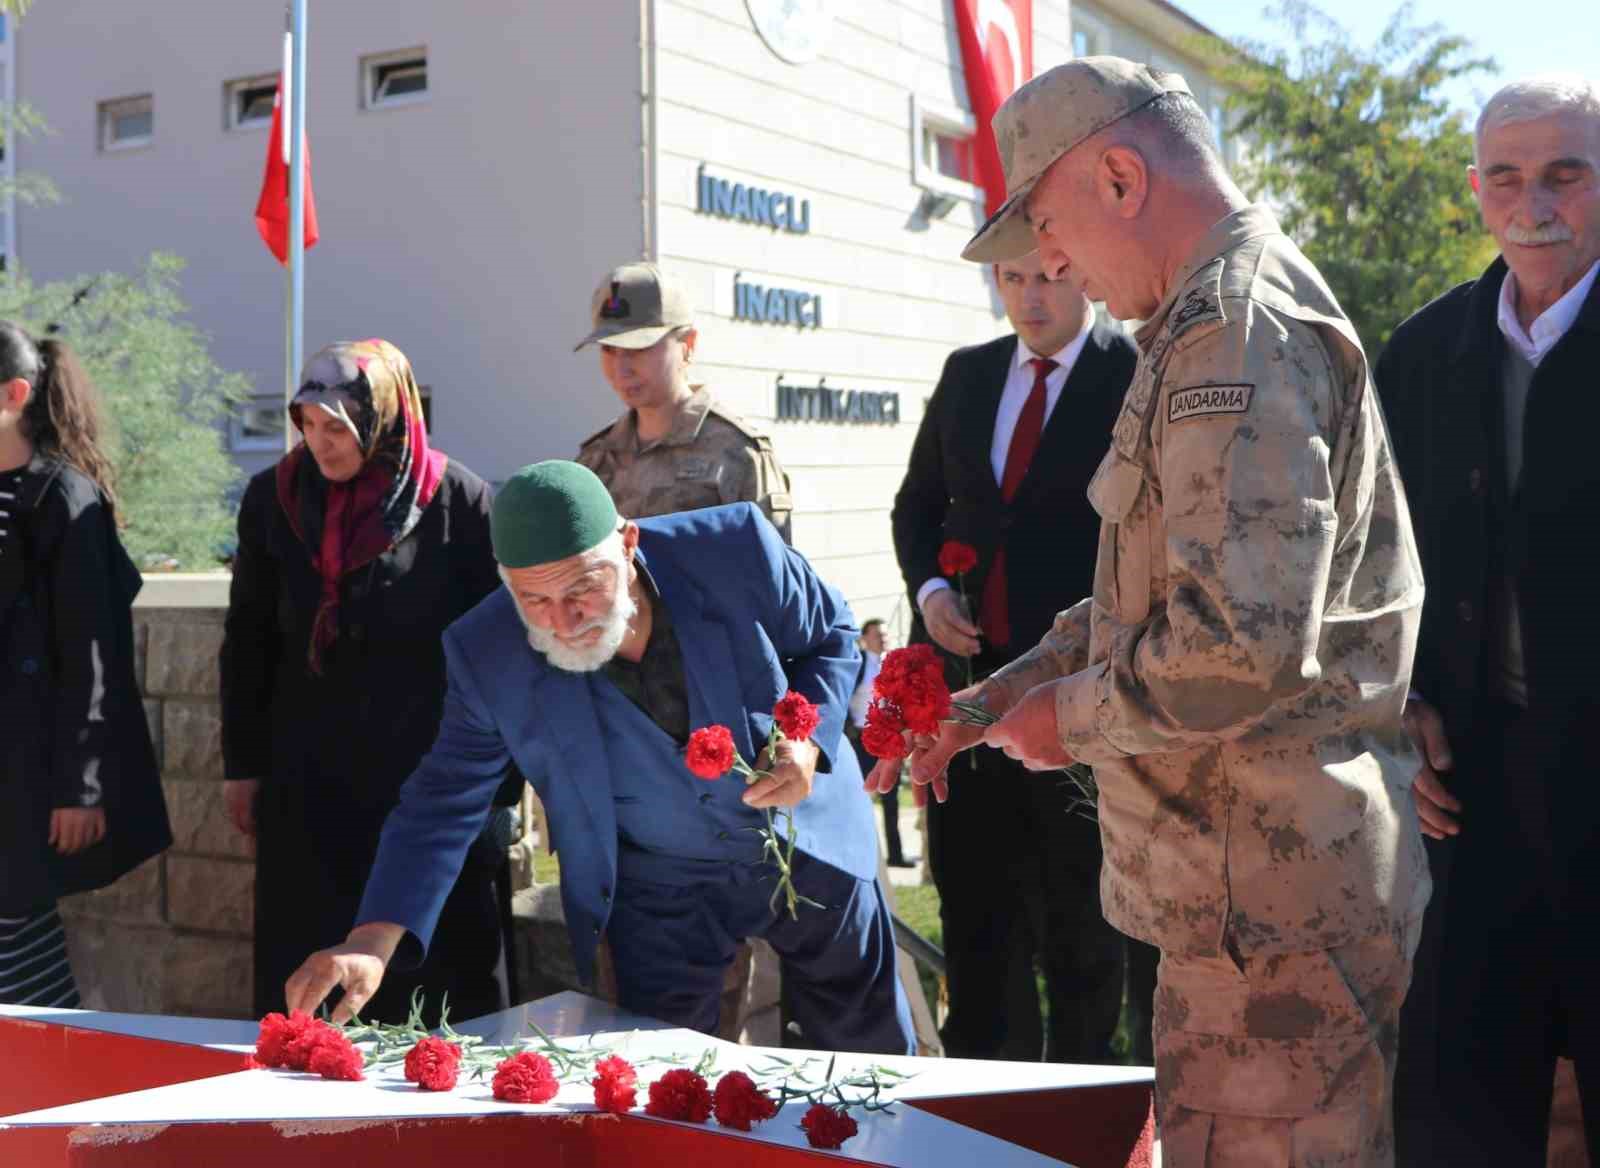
(1204, 400)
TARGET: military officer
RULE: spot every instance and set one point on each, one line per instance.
(1238, 678)
(674, 448)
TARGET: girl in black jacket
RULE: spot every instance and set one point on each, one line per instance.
(81, 796)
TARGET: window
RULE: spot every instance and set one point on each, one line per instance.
(941, 151)
(394, 78)
(1219, 124)
(258, 425)
(127, 122)
(250, 101)
(1088, 36)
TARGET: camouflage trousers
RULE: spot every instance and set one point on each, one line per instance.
(1284, 1059)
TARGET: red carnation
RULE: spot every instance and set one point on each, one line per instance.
(912, 681)
(615, 1084)
(710, 753)
(827, 1127)
(679, 1094)
(739, 1102)
(277, 1034)
(297, 1054)
(525, 1078)
(956, 557)
(433, 1064)
(796, 716)
(335, 1057)
(881, 742)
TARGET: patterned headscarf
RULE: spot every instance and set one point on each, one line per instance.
(369, 387)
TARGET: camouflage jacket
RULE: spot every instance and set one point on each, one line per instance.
(1237, 679)
(709, 457)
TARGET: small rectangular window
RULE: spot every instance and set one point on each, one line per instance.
(258, 424)
(948, 154)
(942, 161)
(250, 101)
(127, 122)
(394, 78)
(1219, 123)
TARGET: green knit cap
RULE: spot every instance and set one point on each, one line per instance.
(550, 511)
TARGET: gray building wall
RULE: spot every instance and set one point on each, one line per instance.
(468, 228)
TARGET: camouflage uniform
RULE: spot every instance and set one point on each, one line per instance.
(709, 457)
(1237, 681)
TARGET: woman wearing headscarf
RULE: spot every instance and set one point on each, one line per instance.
(356, 550)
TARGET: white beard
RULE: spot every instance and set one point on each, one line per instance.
(585, 659)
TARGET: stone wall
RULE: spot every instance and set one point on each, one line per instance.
(173, 936)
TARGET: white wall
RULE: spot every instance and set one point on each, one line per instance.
(468, 229)
(898, 297)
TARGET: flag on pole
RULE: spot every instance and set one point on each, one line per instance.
(996, 56)
(272, 208)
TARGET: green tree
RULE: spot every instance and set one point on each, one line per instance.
(166, 402)
(1363, 157)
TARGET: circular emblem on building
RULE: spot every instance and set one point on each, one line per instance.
(795, 30)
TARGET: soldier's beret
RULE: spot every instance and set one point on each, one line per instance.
(550, 511)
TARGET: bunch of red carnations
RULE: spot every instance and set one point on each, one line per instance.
(711, 754)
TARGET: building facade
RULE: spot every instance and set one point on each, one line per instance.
(477, 168)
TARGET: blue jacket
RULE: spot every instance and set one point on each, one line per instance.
(753, 620)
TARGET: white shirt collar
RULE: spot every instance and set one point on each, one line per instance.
(1064, 357)
(1550, 325)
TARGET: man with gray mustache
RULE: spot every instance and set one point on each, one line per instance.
(1490, 394)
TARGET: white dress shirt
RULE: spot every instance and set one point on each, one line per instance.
(863, 695)
(1019, 384)
(1550, 325)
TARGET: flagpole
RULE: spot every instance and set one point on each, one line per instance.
(297, 198)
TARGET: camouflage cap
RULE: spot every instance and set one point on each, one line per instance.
(634, 307)
(1048, 117)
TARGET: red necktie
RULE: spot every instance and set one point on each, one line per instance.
(993, 613)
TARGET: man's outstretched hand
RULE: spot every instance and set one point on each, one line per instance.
(931, 754)
(357, 965)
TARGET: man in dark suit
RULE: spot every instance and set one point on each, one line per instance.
(1490, 392)
(1010, 439)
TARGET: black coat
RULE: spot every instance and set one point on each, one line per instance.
(1440, 383)
(333, 749)
(1049, 530)
(356, 730)
(74, 731)
(1528, 821)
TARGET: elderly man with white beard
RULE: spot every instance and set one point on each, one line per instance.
(610, 640)
(1489, 392)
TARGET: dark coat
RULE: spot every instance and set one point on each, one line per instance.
(1440, 383)
(332, 749)
(358, 729)
(1439, 379)
(1049, 530)
(74, 731)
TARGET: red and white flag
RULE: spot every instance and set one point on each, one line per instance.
(997, 57)
(272, 208)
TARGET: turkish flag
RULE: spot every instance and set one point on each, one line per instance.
(272, 209)
(997, 57)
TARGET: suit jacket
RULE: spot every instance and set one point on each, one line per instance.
(1049, 530)
(753, 620)
(1441, 387)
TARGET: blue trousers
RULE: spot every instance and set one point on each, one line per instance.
(676, 923)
